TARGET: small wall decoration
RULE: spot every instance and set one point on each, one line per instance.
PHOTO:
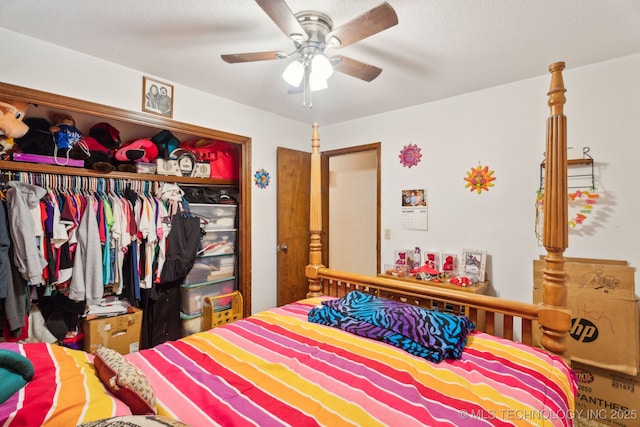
(410, 155)
(414, 209)
(157, 97)
(582, 200)
(261, 178)
(480, 178)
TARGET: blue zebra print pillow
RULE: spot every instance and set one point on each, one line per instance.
(426, 333)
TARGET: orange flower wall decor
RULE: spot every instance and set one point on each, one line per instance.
(479, 179)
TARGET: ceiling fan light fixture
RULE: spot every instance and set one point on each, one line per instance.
(316, 82)
(321, 66)
(294, 73)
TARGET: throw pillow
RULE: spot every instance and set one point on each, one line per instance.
(135, 421)
(125, 381)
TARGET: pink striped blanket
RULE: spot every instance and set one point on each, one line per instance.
(275, 368)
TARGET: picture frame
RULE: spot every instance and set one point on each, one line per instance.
(431, 259)
(473, 264)
(449, 263)
(157, 97)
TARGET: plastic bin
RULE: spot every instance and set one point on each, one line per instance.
(209, 268)
(192, 295)
(191, 323)
(218, 242)
(218, 217)
(221, 309)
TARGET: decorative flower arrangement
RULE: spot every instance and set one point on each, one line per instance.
(479, 179)
(261, 178)
(410, 155)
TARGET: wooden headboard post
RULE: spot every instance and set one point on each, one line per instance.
(554, 317)
(315, 218)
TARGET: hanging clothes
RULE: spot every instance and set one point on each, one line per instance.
(86, 280)
(183, 243)
(162, 306)
(21, 199)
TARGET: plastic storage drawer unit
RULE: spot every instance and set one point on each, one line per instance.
(218, 242)
(209, 268)
(192, 295)
(218, 217)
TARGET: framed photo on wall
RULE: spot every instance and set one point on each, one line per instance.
(157, 97)
(473, 264)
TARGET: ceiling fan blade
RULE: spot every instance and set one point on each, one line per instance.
(234, 58)
(284, 18)
(369, 23)
(355, 68)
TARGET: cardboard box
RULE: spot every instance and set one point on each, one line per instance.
(121, 333)
(608, 397)
(604, 313)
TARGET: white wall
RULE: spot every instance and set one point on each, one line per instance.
(505, 128)
(502, 127)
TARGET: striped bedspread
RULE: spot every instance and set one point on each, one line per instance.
(276, 368)
(64, 391)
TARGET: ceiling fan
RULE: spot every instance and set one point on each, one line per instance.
(312, 32)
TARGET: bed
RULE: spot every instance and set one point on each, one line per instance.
(279, 368)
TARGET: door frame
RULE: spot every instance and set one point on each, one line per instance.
(377, 147)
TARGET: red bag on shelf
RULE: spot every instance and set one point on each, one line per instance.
(223, 157)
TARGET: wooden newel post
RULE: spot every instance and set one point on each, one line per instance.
(315, 218)
(554, 318)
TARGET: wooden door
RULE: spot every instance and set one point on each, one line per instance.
(293, 182)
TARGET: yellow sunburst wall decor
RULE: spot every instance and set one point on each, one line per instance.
(480, 178)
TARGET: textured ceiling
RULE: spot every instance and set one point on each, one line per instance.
(439, 49)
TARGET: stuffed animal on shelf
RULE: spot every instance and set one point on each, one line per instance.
(11, 124)
(38, 139)
(65, 132)
(11, 118)
(102, 143)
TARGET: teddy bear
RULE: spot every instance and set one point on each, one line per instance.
(12, 123)
(65, 132)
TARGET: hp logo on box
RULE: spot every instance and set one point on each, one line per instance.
(582, 330)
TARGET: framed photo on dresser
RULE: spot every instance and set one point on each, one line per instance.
(473, 264)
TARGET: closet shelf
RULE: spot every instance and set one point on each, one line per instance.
(65, 170)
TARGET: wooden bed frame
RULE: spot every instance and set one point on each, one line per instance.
(551, 315)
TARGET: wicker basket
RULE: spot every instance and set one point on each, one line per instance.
(214, 316)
